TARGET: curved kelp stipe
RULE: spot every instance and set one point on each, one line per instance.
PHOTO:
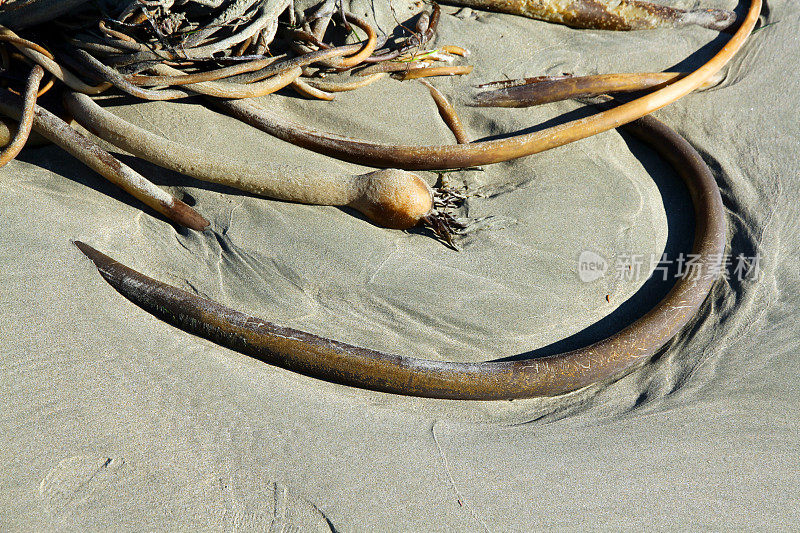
(491, 380)
(478, 153)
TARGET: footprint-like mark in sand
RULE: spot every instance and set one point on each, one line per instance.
(81, 490)
(280, 511)
(67, 481)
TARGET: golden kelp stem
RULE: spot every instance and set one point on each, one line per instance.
(479, 153)
(26, 119)
(92, 155)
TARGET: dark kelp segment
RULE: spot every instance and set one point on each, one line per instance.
(491, 380)
(20, 14)
(539, 90)
(620, 15)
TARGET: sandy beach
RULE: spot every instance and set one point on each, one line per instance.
(114, 420)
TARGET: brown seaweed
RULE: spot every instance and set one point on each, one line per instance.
(619, 15)
(503, 379)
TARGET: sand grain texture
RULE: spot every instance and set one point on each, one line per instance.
(112, 419)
